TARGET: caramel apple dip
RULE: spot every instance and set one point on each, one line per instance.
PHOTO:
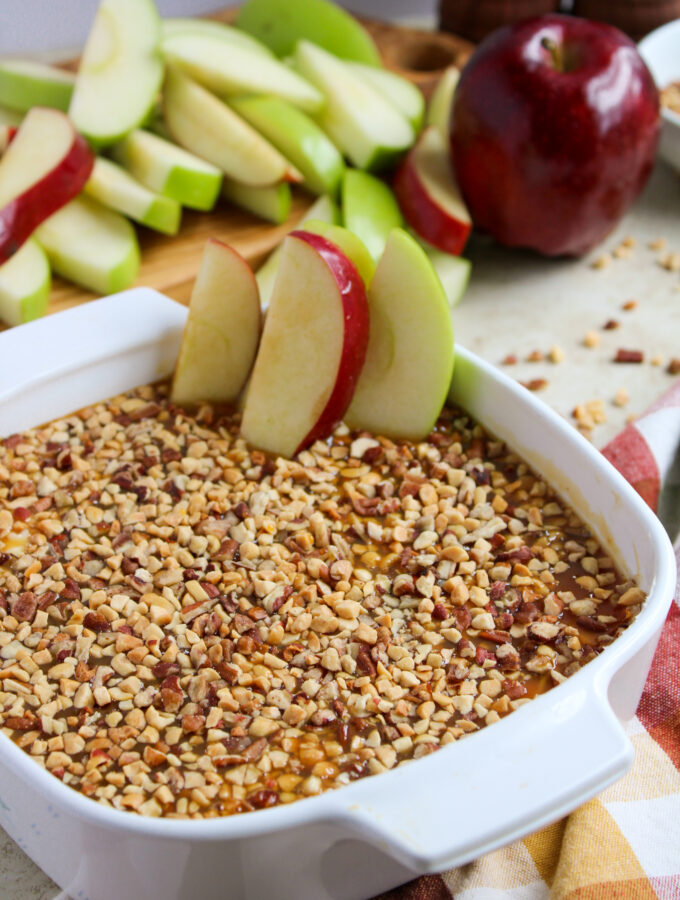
(193, 628)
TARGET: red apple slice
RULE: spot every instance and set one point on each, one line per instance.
(429, 196)
(46, 165)
(222, 330)
(312, 350)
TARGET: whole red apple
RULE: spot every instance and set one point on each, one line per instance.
(554, 128)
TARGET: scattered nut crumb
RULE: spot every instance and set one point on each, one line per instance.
(510, 360)
(536, 384)
(670, 261)
(629, 241)
(629, 304)
(591, 339)
(610, 325)
(556, 354)
(622, 397)
(596, 410)
(658, 244)
(621, 252)
(630, 418)
(536, 356)
(657, 359)
(629, 356)
(674, 366)
(602, 261)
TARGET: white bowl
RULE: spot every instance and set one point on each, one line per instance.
(444, 809)
(661, 51)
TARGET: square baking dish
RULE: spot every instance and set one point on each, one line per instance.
(442, 810)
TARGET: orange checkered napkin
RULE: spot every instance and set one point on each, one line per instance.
(625, 843)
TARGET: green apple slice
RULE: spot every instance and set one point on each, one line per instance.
(10, 117)
(234, 70)
(120, 71)
(402, 94)
(91, 245)
(281, 23)
(369, 209)
(325, 210)
(117, 189)
(24, 284)
(168, 169)
(452, 271)
(207, 127)
(410, 356)
(219, 30)
(25, 83)
(359, 121)
(441, 101)
(271, 203)
(349, 243)
(299, 139)
(222, 330)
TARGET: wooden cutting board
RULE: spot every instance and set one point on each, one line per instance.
(169, 264)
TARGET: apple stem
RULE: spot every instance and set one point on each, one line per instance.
(555, 51)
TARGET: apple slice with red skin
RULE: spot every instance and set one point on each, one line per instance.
(312, 349)
(429, 196)
(46, 164)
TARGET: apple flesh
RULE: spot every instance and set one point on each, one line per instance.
(402, 94)
(219, 30)
(429, 196)
(24, 285)
(170, 170)
(441, 101)
(46, 165)
(204, 125)
(409, 362)
(222, 330)
(553, 134)
(91, 245)
(369, 209)
(280, 24)
(25, 83)
(10, 117)
(453, 272)
(348, 243)
(312, 349)
(117, 189)
(120, 71)
(271, 203)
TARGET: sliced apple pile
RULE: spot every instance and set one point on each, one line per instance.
(346, 241)
(271, 202)
(45, 166)
(399, 92)
(222, 330)
(429, 196)
(25, 282)
(441, 101)
(25, 83)
(369, 209)
(217, 30)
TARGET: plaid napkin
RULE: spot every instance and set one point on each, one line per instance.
(626, 842)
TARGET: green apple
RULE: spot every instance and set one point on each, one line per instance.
(271, 203)
(358, 119)
(222, 330)
(209, 28)
(349, 243)
(120, 72)
(441, 101)
(281, 23)
(409, 362)
(207, 127)
(117, 189)
(325, 210)
(299, 139)
(10, 117)
(24, 284)
(369, 209)
(452, 271)
(25, 83)
(232, 70)
(168, 169)
(402, 94)
(91, 245)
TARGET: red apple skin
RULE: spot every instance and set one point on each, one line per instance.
(551, 159)
(427, 219)
(22, 215)
(355, 338)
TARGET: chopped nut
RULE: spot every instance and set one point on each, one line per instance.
(591, 339)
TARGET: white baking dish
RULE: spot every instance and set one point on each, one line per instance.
(661, 51)
(445, 809)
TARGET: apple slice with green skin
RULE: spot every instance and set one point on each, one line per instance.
(369, 209)
(10, 117)
(222, 330)
(271, 203)
(233, 70)
(402, 94)
(45, 166)
(91, 245)
(312, 349)
(298, 137)
(117, 189)
(201, 123)
(325, 210)
(218, 30)
(120, 72)
(25, 282)
(348, 243)
(453, 271)
(441, 101)
(170, 170)
(25, 83)
(359, 120)
(410, 356)
(280, 24)
(429, 196)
